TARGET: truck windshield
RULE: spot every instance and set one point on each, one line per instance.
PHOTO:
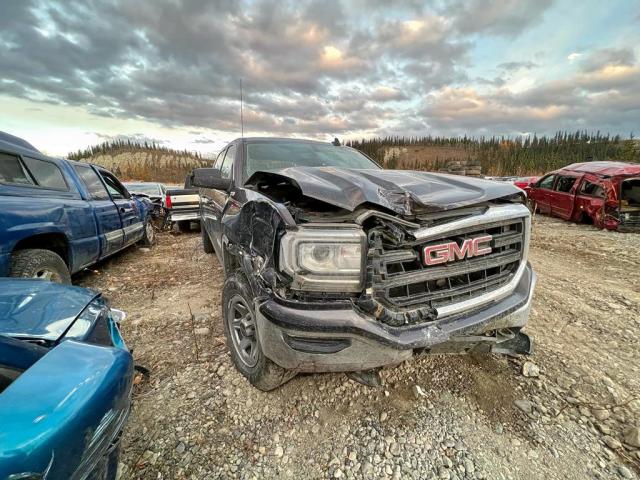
(276, 155)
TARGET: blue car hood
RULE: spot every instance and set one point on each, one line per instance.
(39, 309)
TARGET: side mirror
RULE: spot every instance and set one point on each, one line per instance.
(118, 315)
(209, 178)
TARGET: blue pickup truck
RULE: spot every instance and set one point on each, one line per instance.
(59, 216)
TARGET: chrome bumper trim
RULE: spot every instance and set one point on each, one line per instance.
(178, 217)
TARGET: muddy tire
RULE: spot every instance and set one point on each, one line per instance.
(149, 236)
(184, 226)
(240, 329)
(41, 264)
(207, 245)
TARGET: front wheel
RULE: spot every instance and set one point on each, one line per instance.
(149, 237)
(41, 264)
(240, 329)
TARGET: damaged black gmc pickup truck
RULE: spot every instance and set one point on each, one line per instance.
(335, 264)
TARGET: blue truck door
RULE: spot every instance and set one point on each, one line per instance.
(110, 229)
(132, 224)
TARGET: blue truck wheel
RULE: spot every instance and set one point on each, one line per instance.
(41, 264)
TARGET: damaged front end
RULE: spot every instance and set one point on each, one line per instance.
(348, 287)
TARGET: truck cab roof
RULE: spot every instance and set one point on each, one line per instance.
(10, 142)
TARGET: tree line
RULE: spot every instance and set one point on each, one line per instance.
(524, 155)
(121, 145)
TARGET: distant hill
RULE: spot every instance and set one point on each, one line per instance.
(498, 155)
(148, 162)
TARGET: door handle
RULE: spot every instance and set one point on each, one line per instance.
(122, 209)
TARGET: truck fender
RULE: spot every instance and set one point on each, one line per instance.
(28, 231)
(250, 242)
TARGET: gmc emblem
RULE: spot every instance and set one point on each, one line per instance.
(449, 252)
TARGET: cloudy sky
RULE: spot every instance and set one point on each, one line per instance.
(76, 73)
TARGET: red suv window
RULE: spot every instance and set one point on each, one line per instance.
(564, 183)
(592, 189)
(546, 182)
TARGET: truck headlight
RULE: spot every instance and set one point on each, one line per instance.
(324, 260)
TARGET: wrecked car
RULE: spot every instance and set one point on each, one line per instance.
(59, 216)
(65, 382)
(334, 264)
(525, 183)
(604, 194)
(153, 190)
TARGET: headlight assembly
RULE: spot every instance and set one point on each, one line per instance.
(324, 260)
(97, 324)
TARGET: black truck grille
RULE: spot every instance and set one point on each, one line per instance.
(405, 282)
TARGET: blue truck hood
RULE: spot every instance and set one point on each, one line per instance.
(39, 309)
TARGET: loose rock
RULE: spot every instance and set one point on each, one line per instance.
(530, 369)
(632, 436)
(612, 443)
(600, 413)
(624, 472)
(525, 405)
(418, 392)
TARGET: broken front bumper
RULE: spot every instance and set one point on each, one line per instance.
(306, 338)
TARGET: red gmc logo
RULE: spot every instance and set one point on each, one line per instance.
(449, 252)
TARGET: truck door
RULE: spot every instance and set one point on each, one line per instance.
(109, 225)
(563, 196)
(132, 224)
(208, 215)
(541, 192)
(215, 201)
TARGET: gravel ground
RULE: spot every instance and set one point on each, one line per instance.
(567, 412)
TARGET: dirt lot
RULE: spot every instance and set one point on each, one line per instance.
(479, 417)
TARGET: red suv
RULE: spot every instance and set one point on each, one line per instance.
(606, 194)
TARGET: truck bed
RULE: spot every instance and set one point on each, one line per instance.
(185, 204)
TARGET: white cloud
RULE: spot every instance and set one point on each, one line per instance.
(314, 68)
(572, 57)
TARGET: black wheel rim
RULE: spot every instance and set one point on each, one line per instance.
(242, 328)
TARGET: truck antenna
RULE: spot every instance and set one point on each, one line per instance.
(241, 113)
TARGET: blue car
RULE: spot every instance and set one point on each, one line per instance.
(65, 382)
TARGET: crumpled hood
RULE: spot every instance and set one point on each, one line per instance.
(39, 309)
(402, 191)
